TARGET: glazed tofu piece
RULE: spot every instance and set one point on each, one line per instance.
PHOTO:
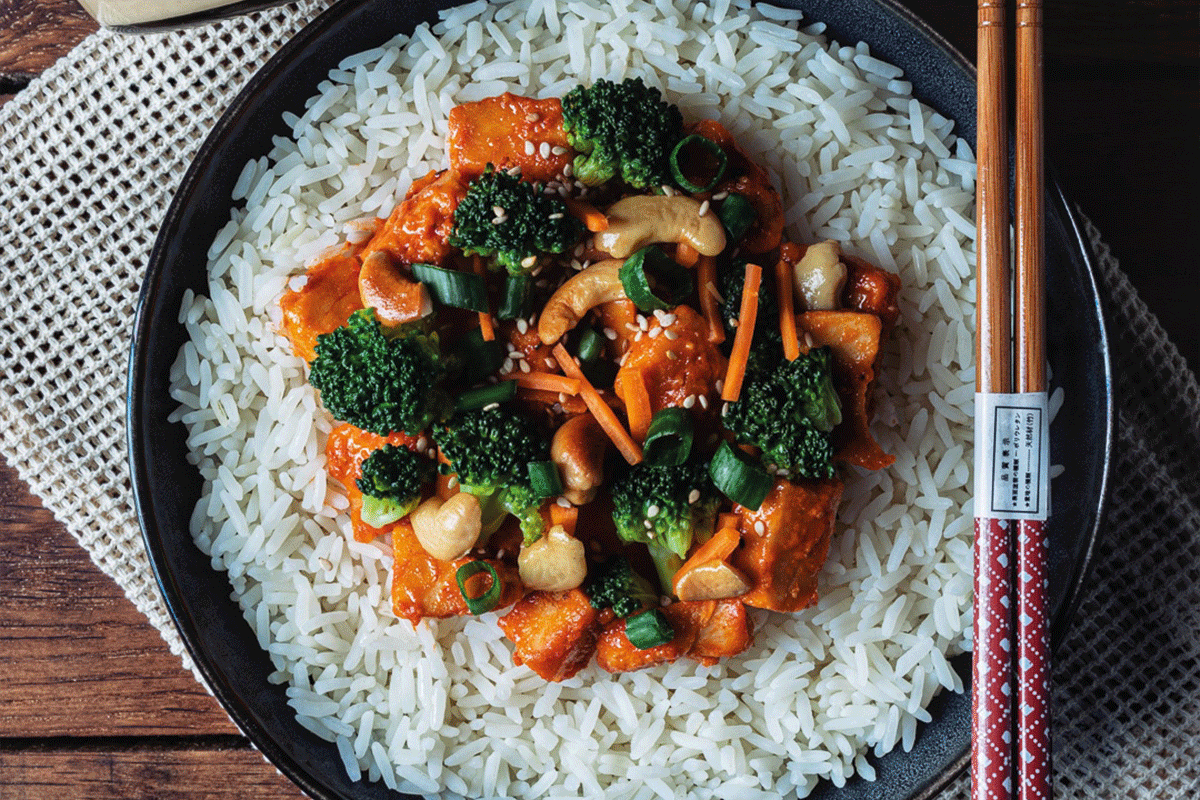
(705, 630)
(509, 131)
(554, 633)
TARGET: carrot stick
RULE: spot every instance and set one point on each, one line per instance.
(566, 516)
(706, 272)
(637, 402)
(546, 381)
(747, 316)
(686, 255)
(593, 219)
(787, 306)
(486, 329)
(629, 449)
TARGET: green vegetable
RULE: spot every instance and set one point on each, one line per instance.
(453, 287)
(477, 357)
(486, 601)
(709, 148)
(737, 215)
(787, 412)
(591, 345)
(544, 478)
(669, 438)
(490, 451)
(616, 585)
(380, 383)
(485, 395)
(767, 349)
(742, 481)
(512, 222)
(622, 130)
(665, 508)
(391, 483)
(515, 302)
(652, 279)
(648, 629)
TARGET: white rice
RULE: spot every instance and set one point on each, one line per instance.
(442, 707)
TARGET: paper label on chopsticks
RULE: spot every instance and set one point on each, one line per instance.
(1012, 456)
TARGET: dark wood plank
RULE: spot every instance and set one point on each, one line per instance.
(76, 657)
(118, 771)
(35, 33)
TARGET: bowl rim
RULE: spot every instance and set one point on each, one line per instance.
(157, 264)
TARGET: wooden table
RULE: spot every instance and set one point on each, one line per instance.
(92, 704)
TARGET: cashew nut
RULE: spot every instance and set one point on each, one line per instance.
(448, 529)
(637, 221)
(820, 275)
(554, 563)
(395, 298)
(712, 580)
(599, 283)
(578, 450)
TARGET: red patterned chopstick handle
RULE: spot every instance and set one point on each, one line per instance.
(1033, 658)
(991, 663)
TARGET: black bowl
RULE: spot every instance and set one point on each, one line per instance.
(167, 488)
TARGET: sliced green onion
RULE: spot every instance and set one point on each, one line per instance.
(743, 482)
(600, 373)
(591, 345)
(479, 358)
(737, 215)
(649, 262)
(484, 396)
(486, 601)
(710, 148)
(544, 478)
(648, 629)
(669, 438)
(452, 287)
(515, 303)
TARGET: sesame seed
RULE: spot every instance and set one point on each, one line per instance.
(563, 191)
(713, 291)
(499, 220)
(783, 473)
(508, 365)
(550, 362)
(563, 502)
(524, 365)
(808, 340)
(578, 250)
(630, 326)
(693, 496)
(720, 384)
(528, 147)
(649, 525)
(568, 170)
(533, 116)
(654, 332)
(659, 314)
(500, 553)
(623, 359)
(499, 211)
(724, 409)
(610, 334)
(422, 443)
(703, 400)
(491, 406)
(558, 150)
(667, 319)
(670, 334)
(514, 172)
(733, 323)
(544, 150)
(528, 261)
(689, 401)
(703, 208)
(562, 397)
(452, 482)
(556, 215)
(671, 355)
(668, 191)
(652, 511)
(637, 337)
(759, 528)
(522, 326)
(518, 355)
(643, 323)
(720, 195)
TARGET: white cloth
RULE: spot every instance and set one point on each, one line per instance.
(90, 153)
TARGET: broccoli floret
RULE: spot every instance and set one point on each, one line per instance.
(787, 412)
(665, 508)
(391, 482)
(490, 450)
(617, 586)
(531, 224)
(624, 130)
(380, 382)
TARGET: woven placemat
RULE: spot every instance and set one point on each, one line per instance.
(91, 152)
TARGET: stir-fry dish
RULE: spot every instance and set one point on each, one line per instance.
(582, 380)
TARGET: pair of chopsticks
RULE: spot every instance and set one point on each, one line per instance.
(1010, 730)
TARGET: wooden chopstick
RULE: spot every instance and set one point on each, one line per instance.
(1011, 426)
(1033, 606)
(991, 674)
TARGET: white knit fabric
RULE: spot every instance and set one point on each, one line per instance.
(90, 153)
